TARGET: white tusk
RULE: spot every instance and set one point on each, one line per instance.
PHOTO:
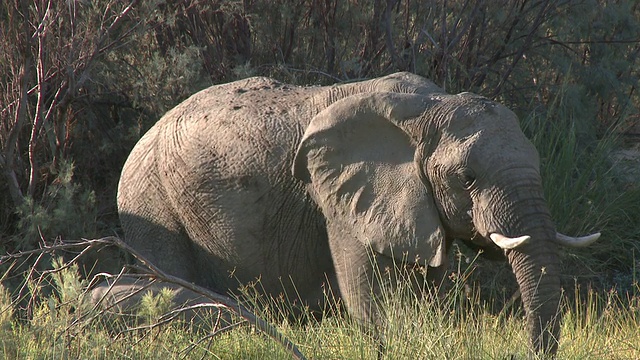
(507, 242)
(576, 241)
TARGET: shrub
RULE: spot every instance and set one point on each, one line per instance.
(69, 210)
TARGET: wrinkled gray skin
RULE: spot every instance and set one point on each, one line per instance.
(260, 180)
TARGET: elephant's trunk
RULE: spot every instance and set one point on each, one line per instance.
(536, 268)
(522, 210)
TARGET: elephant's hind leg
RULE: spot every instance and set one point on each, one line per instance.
(165, 246)
(117, 297)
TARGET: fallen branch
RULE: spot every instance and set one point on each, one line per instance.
(66, 245)
(148, 269)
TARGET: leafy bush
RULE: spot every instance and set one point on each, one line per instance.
(152, 307)
(68, 210)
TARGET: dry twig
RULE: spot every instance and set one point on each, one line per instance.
(149, 270)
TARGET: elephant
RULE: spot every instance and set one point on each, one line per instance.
(304, 189)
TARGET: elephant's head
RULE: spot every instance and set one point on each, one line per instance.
(405, 173)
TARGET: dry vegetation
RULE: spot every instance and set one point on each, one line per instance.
(81, 81)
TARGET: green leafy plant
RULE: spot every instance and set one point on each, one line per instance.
(67, 210)
(152, 307)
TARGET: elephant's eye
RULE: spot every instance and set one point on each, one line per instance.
(467, 179)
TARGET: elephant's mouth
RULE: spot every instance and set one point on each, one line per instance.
(490, 236)
(484, 246)
(479, 239)
(498, 237)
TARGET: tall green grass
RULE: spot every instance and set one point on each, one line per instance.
(587, 191)
(455, 325)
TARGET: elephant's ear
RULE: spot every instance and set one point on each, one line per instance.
(360, 164)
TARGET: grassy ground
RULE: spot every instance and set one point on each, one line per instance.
(454, 326)
(607, 328)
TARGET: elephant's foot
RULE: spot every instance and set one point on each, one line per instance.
(124, 298)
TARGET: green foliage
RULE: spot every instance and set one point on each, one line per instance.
(152, 307)
(70, 289)
(68, 210)
(6, 309)
(585, 193)
(104, 81)
(58, 300)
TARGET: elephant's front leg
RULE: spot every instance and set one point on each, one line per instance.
(363, 276)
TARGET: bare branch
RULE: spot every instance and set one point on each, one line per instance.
(525, 46)
(151, 271)
(8, 158)
(98, 49)
(68, 244)
(174, 314)
(388, 31)
(63, 83)
(230, 303)
(41, 33)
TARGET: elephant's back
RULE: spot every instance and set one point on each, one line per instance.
(235, 133)
(245, 129)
